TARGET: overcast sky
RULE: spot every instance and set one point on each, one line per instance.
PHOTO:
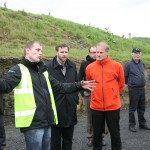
(121, 17)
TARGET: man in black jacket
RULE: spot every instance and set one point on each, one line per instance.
(135, 79)
(90, 58)
(35, 109)
(64, 70)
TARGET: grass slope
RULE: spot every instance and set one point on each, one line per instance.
(18, 27)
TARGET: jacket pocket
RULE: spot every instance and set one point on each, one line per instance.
(115, 93)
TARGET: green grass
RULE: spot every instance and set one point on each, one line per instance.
(18, 27)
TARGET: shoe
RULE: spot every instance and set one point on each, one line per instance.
(90, 143)
(144, 127)
(103, 142)
(132, 128)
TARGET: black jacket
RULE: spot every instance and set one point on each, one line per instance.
(82, 70)
(84, 64)
(66, 103)
(2, 128)
(134, 74)
(43, 116)
(2, 103)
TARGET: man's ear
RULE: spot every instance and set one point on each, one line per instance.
(27, 50)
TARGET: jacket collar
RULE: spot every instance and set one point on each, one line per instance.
(88, 58)
(135, 62)
(56, 64)
(104, 61)
(34, 65)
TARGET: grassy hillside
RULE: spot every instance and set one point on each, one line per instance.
(18, 27)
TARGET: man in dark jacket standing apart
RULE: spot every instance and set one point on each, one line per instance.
(135, 79)
(35, 109)
(65, 71)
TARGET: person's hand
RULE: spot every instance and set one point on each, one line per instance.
(125, 86)
(89, 85)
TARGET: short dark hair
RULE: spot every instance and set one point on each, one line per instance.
(61, 46)
(30, 44)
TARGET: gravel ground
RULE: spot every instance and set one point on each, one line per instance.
(139, 140)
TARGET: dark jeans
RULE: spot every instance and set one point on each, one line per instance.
(61, 138)
(137, 102)
(2, 129)
(112, 119)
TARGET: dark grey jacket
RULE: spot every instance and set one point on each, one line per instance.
(66, 104)
(134, 74)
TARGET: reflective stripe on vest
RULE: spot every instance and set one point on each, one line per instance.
(25, 105)
(52, 97)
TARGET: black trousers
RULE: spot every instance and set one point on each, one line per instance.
(61, 138)
(137, 102)
(2, 129)
(112, 119)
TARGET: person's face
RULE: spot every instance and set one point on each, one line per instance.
(101, 53)
(62, 54)
(136, 56)
(34, 54)
(92, 52)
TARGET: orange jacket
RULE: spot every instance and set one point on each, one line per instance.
(109, 76)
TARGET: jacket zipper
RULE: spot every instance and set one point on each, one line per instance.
(103, 85)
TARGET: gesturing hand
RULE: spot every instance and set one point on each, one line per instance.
(89, 85)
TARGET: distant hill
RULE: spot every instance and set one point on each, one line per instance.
(18, 27)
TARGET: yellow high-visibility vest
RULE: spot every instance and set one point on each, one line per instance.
(24, 103)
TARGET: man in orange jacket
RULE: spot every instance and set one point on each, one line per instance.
(105, 99)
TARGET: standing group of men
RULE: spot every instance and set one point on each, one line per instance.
(46, 96)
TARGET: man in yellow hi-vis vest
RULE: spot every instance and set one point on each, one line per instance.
(35, 109)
